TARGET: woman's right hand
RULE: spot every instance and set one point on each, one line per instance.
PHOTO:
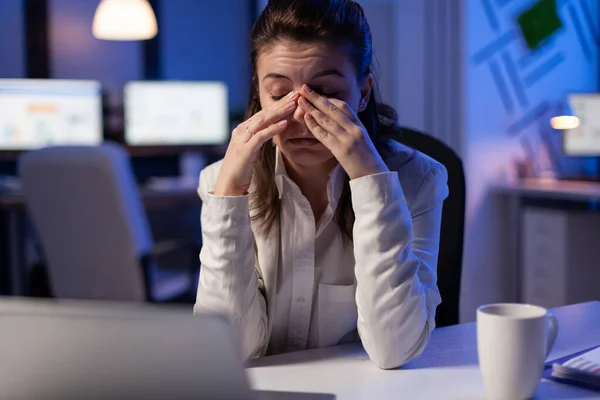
(246, 140)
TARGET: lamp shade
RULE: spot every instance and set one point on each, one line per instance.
(124, 20)
(566, 119)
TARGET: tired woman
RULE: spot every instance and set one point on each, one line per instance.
(318, 228)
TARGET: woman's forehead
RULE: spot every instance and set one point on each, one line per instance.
(301, 61)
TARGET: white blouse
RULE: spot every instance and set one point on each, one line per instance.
(305, 286)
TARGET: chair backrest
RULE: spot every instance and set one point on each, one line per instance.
(453, 222)
(86, 209)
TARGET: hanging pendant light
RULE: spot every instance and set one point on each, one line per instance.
(124, 20)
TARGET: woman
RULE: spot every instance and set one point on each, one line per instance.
(317, 228)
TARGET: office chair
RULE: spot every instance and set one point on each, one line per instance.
(85, 206)
(453, 223)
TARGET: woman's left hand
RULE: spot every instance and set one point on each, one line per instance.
(336, 125)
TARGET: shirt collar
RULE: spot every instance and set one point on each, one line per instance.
(280, 171)
(334, 186)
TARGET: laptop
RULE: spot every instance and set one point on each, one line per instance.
(102, 350)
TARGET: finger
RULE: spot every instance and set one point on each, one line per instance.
(345, 108)
(324, 105)
(267, 117)
(321, 119)
(259, 138)
(319, 133)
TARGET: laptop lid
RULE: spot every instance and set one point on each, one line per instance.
(74, 350)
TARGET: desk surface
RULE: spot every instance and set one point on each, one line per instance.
(448, 369)
(553, 189)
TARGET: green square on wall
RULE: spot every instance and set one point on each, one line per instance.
(539, 22)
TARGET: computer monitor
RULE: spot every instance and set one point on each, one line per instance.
(183, 114)
(585, 139)
(36, 113)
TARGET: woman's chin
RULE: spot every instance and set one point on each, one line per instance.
(309, 154)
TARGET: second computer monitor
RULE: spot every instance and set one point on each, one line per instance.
(176, 113)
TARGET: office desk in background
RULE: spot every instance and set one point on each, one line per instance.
(160, 205)
(552, 189)
(448, 369)
(551, 231)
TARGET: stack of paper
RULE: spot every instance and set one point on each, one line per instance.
(583, 368)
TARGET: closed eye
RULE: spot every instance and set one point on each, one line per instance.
(332, 95)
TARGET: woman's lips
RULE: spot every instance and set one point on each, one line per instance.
(303, 142)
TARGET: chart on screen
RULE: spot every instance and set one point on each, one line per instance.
(37, 113)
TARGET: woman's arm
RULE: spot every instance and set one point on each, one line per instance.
(396, 261)
(396, 254)
(229, 282)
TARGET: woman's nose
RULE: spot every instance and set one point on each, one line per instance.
(298, 115)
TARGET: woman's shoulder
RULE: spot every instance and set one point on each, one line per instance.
(408, 161)
(415, 169)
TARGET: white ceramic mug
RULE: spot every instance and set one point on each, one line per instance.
(513, 341)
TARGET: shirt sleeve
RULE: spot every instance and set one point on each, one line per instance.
(396, 261)
(229, 282)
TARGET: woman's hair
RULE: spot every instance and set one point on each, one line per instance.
(336, 22)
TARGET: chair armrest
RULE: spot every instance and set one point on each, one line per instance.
(173, 254)
(169, 246)
(169, 253)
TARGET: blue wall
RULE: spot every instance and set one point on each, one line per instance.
(76, 54)
(12, 40)
(199, 40)
(511, 93)
(202, 40)
(520, 87)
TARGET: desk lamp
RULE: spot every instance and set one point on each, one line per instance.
(566, 119)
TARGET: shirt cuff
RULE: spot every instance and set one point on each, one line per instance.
(227, 206)
(376, 188)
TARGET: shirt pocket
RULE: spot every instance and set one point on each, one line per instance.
(337, 312)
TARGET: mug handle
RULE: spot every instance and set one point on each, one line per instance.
(552, 332)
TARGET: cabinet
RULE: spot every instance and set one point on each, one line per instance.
(559, 257)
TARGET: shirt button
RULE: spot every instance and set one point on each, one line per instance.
(300, 299)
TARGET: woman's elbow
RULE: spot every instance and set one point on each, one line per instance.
(398, 352)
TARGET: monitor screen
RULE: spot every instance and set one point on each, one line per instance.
(36, 113)
(176, 113)
(585, 139)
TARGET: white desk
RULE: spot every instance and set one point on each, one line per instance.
(552, 189)
(448, 369)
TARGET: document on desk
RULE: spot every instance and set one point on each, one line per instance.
(581, 369)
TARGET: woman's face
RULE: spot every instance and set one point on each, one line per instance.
(286, 66)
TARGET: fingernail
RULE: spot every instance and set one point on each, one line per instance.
(308, 117)
(290, 105)
(291, 94)
(307, 89)
(281, 124)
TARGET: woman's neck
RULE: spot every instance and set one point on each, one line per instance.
(312, 181)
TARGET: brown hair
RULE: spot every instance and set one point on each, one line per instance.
(337, 22)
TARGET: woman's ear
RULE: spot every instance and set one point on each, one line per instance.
(365, 92)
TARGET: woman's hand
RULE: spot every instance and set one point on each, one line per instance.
(246, 140)
(335, 125)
